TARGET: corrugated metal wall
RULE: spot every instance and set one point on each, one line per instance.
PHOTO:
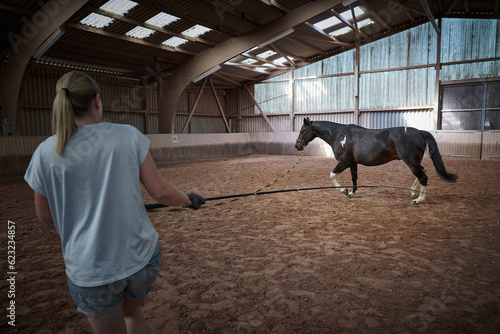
(388, 97)
(491, 145)
(124, 101)
(413, 47)
(396, 87)
(460, 144)
(343, 118)
(324, 94)
(464, 40)
(420, 119)
(274, 98)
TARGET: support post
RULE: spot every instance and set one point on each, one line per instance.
(356, 86)
(437, 89)
(291, 100)
(190, 69)
(219, 106)
(240, 110)
(200, 93)
(146, 109)
(261, 111)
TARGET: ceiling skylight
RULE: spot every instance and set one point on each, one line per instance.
(364, 23)
(325, 24)
(330, 22)
(266, 54)
(175, 41)
(249, 61)
(281, 61)
(196, 31)
(140, 32)
(341, 31)
(348, 14)
(120, 7)
(162, 19)
(97, 20)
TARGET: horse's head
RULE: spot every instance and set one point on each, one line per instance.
(305, 135)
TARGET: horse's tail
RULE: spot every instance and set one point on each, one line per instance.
(436, 158)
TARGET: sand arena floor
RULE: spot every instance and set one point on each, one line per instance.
(296, 262)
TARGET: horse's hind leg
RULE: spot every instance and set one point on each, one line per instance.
(419, 172)
(415, 185)
(337, 170)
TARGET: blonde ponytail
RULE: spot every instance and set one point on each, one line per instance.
(74, 94)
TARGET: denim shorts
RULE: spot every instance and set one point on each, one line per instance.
(99, 300)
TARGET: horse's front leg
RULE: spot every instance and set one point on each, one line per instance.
(337, 170)
(354, 176)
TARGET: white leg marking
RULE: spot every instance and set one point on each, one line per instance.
(337, 184)
(415, 185)
(344, 141)
(414, 188)
(420, 198)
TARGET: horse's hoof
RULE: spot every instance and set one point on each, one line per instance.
(348, 195)
(414, 202)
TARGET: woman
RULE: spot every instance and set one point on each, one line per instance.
(86, 180)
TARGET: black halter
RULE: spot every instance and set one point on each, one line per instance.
(300, 140)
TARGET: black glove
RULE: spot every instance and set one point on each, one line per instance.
(196, 201)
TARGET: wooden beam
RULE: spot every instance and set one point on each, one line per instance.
(229, 63)
(407, 8)
(283, 54)
(451, 7)
(235, 75)
(95, 61)
(261, 111)
(428, 12)
(286, 53)
(54, 14)
(219, 106)
(376, 16)
(356, 86)
(17, 10)
(264, 60)
(356, 29)
(437, 89)
(311, 38)
(291, 98)
(112, 51)
(323, 33)
(276, 5)
(341, 18)
(152, 27)
(307, 45)
(171, 10)
(230, 10)
(223, 78)
(129, 39)
(252, 68)
(200, 93)
(205, 60)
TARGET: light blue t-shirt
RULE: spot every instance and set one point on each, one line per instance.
(94, 195)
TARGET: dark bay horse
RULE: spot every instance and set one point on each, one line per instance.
(353, 145)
